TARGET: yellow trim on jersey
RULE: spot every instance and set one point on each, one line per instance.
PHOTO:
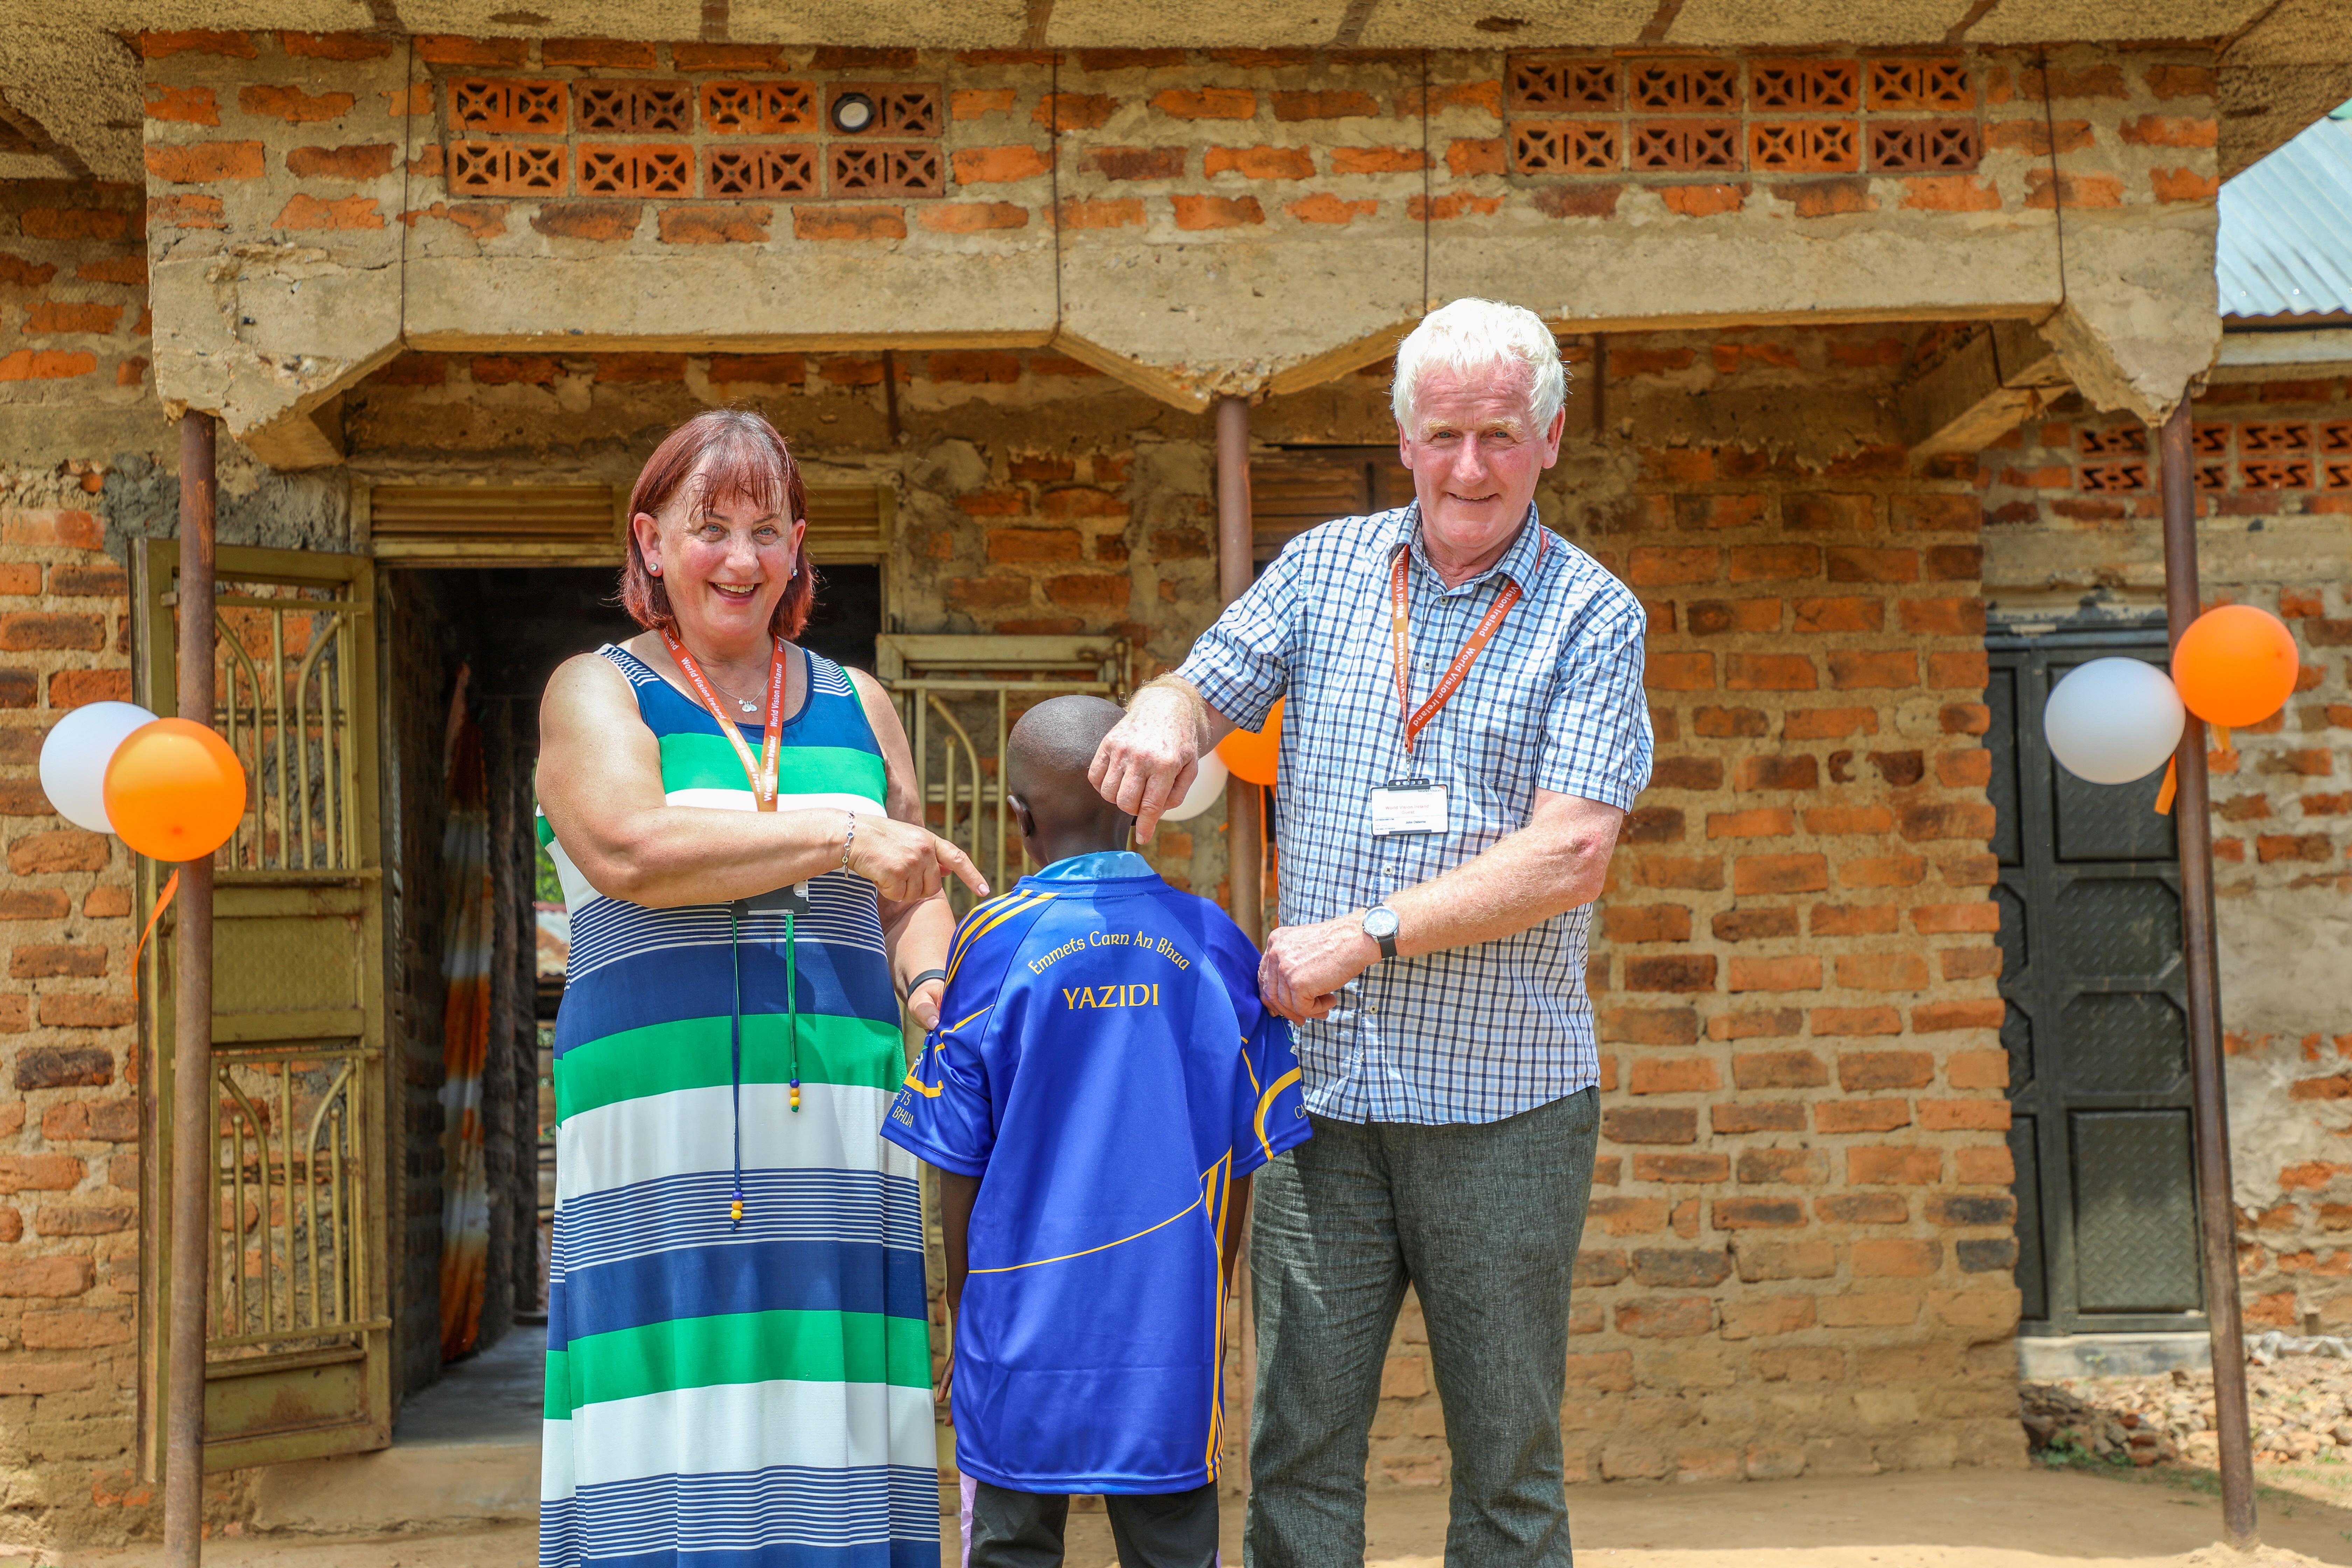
(1105, 1247)
(1221, 1173)
(963, 945)
(1265, 1103)
(914, 1079)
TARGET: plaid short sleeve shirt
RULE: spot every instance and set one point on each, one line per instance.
(1474, 1033)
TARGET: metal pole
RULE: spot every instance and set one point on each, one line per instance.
(1244, 814)
(193, 1112)
(2216, 1203)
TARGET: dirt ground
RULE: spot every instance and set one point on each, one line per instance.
(1964, 1519)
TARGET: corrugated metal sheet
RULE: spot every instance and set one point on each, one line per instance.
(2286, 229)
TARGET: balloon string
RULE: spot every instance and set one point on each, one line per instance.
(2172, 787)
(171, 886)
(2223, 748)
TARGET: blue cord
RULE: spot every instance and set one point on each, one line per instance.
(792, 1005)
(735, 1059)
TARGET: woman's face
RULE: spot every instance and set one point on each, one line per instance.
(725, 566)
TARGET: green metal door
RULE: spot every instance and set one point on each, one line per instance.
(297, 1362)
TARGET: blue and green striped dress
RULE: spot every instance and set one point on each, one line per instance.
(723, 1394)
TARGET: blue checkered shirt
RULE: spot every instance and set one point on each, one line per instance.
(1474, 1033)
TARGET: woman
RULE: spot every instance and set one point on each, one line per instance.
(737, 1351)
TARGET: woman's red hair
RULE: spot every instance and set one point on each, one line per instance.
(748, 461)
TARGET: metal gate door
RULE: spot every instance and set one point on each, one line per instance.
(959, 697)
(2097, 1024)
(297, 1347)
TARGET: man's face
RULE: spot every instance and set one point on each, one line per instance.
(1475, 455)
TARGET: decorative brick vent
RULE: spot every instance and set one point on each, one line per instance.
(514, 137)
(2269, 455)
(1711, 116)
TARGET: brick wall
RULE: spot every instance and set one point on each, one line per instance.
(2073, 514)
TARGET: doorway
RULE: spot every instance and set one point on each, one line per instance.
(2097, 1021)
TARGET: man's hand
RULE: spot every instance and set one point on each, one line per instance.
(1303, 966)
(1147, 764)
(907, 863)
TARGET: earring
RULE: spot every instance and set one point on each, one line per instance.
(655, 567)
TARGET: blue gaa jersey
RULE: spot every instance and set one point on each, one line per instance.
(1104, 1066)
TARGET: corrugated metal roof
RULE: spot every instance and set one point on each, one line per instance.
(2286, 229)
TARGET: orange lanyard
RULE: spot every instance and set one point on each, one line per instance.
(1399, 620)
(762, 774)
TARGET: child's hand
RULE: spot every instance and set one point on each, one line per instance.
(923, 1002)
(946, 1384)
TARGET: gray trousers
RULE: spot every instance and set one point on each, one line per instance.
(1151, 1530)
(1483, 1220)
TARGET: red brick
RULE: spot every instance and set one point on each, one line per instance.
(976, 102)
(1649, 1026)
(614, 53)
(1757, 1214)
(1205, 104)
(1862, 1115)
(73, 688)
(1627, 1217)
(1647, 922)
(74, 223)
(1883, 871)
(1828, 198)
(2183, 185)
(77, 1010)
(1786, 1260)
(1762, 1116)
(1964, 1115)
(1666, 1317)
(1649, 1124)
(1652, 567)
(1860, 1071)
(1789, 1167)
(970, 217)
(29, 1277)
(39, 1173)
(1795, 973)
(1123, 212)
(91, 1120)
(1863, 1021)
(1696, 874)
(1377, 160)
(1678, 671)
(1703, 200)
(1687, 772)
(1089, 593)
(1712, 617)
(1985, 1167)
(41, 961)
(1216, 212)
(1779, 1069)
(75, 1328)
(2035, 138)
(200, 163)
(1847, 615)
(58, 527)
(1950, 562)
(368, 161)
(186, 212)
(442, 50)
(1033, 544)
(1261, 163)
(1841, 820)
(1674, 971)
(743, 223)
(292, 105)
(1850, 563)
(27, 630)
(1944, 920)
(820, 223)
(304, 211)
(1673, 1075)
(1894, 1167)
(1900, 1258)
(195, 41)
(1882, 972)
(46, 364)
(1756, 874)
(1950, 194)
(182, 105)
(1756, 821)
(1685, 1169)
(1850, 670)
(1760, 1023)
(1075, 110)
(1000, 165)
(1754, 1316)
(1828, 723)
(1863, 1208)
(1341, 103)
(1770, 672)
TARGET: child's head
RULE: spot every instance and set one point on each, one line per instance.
(1045, 763)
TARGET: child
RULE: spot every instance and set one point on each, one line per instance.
(1102, 1083)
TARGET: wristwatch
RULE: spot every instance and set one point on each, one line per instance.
(1380, 925)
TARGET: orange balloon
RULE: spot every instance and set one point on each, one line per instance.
(1251, 753)
(2235, 665)
(175, 790)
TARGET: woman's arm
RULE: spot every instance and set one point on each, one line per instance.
(600, 784)
(917, 931)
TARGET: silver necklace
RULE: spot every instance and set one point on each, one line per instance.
(747, 707)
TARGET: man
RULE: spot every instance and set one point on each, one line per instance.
(1442, 837)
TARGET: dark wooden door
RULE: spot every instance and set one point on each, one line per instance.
(2096, 1029)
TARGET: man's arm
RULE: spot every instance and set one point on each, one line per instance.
(957, 1195)
(1557, 862)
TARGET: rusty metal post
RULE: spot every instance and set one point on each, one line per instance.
(193, 1113)
(1245, 813)
(2216, 1203)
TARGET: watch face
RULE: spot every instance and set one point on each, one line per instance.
(1379, 923)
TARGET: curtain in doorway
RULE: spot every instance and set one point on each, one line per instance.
(465, 954)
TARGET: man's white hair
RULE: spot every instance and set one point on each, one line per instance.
(1471, 336)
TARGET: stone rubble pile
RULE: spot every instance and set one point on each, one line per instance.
(2301, 1409)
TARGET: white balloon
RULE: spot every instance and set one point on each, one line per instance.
(1207, 785)
(2114, 720)
(73, 759)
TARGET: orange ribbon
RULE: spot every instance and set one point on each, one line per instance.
(2171, 785)
(171, 886)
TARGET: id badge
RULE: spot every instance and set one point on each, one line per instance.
(1408, 805)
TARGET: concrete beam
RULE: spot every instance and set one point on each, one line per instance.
(1980, 392)
(2260, 355)
(2139, 323)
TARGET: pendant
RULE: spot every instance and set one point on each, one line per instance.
(750, 707)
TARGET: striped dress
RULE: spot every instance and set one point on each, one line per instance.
(751, 1395)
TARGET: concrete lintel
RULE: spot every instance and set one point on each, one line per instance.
(1980, 392)
(2140, 322)
(2253, 355)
